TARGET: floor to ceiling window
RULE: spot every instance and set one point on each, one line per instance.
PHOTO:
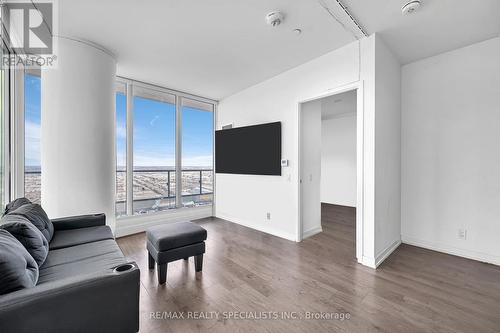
(197, 152)
(169, 135)
(32, 119)
(154, 150)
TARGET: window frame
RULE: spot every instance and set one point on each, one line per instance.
(17, 134)
(130, 84)
(201, 107)
(13, 126)
(5, 130)
(161, 97)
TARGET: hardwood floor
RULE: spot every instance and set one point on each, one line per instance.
(414, 290)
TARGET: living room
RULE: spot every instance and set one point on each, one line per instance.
(161, 166)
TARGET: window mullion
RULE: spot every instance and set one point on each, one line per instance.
(17, 135)
(214, 126)
(178, 152)
(5, 131)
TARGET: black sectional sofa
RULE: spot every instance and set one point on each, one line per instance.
(85, 283)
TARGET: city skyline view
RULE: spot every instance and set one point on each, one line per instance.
(154, 138)
(154, 132)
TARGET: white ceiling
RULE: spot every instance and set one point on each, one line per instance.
(338, 105)
(215, 48)
(210, 48)
(438, 26)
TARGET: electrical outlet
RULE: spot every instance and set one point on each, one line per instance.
(462, 234)
(268, 216)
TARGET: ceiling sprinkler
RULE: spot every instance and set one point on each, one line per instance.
(274, 18)
(411, 7)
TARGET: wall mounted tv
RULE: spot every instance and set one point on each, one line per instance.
(251, 150)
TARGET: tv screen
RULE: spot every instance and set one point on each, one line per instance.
(251, 150)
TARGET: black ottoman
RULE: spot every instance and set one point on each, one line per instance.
(172, 242)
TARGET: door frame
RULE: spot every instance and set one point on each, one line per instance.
(358, 87)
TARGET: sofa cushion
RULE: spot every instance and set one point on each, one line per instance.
(36, 215)
(27, 234)
(72, 237)
(81, 259)
(18, 269)
(13, 205)
(173, 235)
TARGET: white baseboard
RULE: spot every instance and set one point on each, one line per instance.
(135, 224)
(311, 232)
(267, 230)
(387, 252)
(384, 254)
(368, 261)
(474, 255)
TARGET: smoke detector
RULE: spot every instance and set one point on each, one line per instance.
(411, 7)
(274, 18)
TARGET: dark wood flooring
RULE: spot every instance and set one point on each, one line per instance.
(414, 290)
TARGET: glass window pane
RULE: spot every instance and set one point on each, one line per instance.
(154, 151)
(3, 133)
(197, 153)
(32, 120)
(121, 150)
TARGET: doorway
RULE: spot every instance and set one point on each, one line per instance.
(330, 167)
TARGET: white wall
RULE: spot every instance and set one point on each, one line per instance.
(78, 132)
(387, 151)
(245, 199)
(338, 160)
(450, 153)
(310, 167)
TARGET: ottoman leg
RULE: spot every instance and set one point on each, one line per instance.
(198, 262)
(151, 261)
(162, 273)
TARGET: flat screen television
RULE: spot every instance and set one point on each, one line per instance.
(251, 150)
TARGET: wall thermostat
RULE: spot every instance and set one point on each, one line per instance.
(284, 163)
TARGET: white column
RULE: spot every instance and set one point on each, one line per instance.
(78, 132)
